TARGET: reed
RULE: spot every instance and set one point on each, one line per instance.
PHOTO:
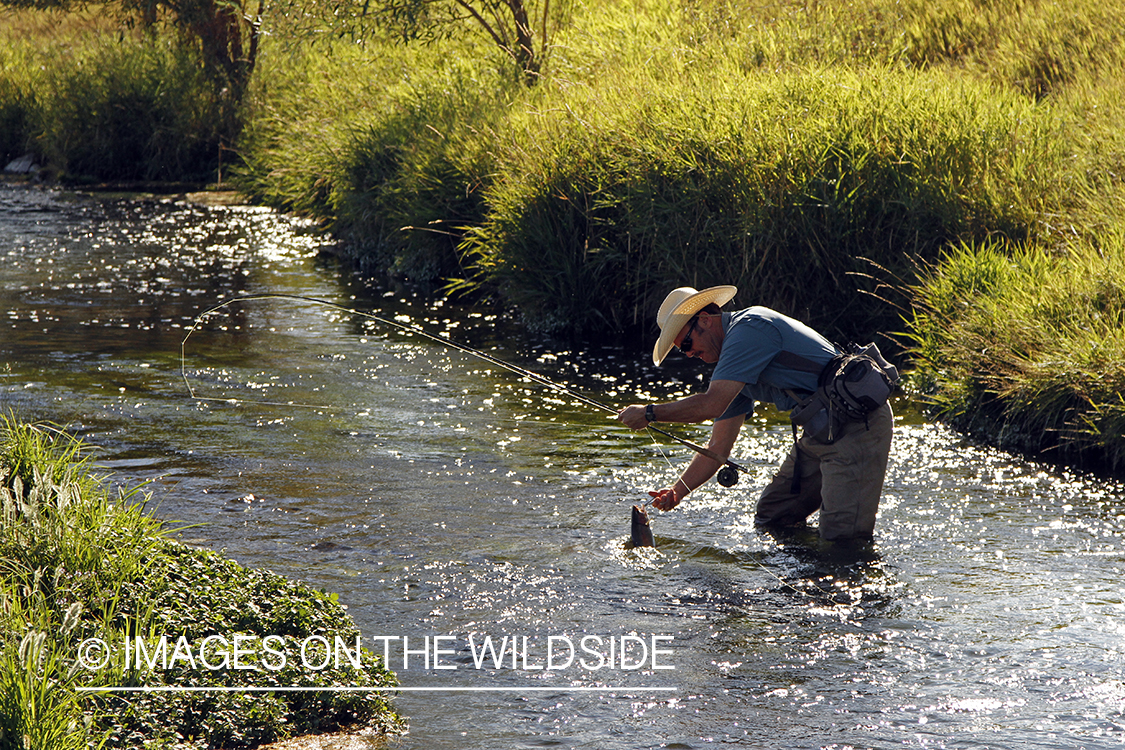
(16, 104)
(1027, 347)
(806, 152)
(1039, 48)
(97, 103)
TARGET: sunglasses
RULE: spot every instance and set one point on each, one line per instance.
(685, 345)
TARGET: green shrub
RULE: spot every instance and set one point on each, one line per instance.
(196, 593)
(785, 185)
(1026, 347)
(133, 110)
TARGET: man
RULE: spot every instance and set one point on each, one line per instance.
(842, 478)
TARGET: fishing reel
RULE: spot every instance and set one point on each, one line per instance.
(728, 476)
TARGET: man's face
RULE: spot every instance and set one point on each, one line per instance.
(698, 338)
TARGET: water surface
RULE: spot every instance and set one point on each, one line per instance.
(442, 496)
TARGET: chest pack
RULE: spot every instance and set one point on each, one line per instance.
(853, 384)
(858, 381)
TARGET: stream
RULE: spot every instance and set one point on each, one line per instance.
(444, 498)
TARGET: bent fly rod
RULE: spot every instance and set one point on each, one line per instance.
(728, 475)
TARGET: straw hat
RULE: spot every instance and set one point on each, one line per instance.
(678, 308)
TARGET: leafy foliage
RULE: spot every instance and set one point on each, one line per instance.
(195, 594)
(77, 564)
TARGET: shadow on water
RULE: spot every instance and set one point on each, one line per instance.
(799, 571)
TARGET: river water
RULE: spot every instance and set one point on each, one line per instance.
(443, 498)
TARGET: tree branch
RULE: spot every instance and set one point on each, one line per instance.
(498, 20)
(487, 27)
(543, 32)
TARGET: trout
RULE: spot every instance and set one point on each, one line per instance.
(641, 532)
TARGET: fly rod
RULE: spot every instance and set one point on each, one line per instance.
(728, 476)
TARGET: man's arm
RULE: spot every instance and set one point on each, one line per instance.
(701, 468)
(696, 408)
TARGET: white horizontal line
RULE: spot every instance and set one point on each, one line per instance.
(350, 689)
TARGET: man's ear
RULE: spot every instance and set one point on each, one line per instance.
(712, 322)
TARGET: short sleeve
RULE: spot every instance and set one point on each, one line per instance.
(743, 405)
(749, 346)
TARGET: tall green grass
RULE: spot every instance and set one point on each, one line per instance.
(61, 581)
(140, 111)
(104, 104)
(816, 154)
(16, 105)
(78, 561)
(808, 152)
(1027, 347)
(392, 161)
(788, 186)
(1037, 47)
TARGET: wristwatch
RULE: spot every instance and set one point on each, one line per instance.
(650, 413)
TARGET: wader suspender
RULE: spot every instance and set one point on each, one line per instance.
(795, 361)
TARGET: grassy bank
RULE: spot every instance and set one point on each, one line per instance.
(810, 154)
(95, 102)
(832, 159)
(79, 562)
(1027, 348)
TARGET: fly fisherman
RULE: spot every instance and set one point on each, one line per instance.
(840, 474)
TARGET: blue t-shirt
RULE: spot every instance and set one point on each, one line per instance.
(753, 338)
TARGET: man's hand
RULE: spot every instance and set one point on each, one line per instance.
(667, 498)
(633, 416)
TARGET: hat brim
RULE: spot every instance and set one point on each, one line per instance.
(679, 317)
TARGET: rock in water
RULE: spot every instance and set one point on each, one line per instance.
(23, 165)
